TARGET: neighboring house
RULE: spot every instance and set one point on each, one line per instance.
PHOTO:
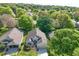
(8, 20)
(30, 13)
(36, 38)
(51, 35)
(75, 23)
(12, 37)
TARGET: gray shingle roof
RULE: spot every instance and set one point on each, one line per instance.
(13, 34)
(40, 34)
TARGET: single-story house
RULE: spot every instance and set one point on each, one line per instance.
(36, 38)
(12, 37)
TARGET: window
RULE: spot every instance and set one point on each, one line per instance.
(36, 39)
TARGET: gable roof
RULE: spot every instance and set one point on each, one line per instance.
(16, 35)
(36, 32)
(13, 34)
(8, 20)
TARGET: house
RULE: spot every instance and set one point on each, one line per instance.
(75, 23)
(30, 13)
(8, 20)
(12, 37)
(36, 38)
(50, 35)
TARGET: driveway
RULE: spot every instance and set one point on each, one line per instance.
(42, 52)
(12, 50)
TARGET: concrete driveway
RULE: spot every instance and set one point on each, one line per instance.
(42, 52)
(11, 50)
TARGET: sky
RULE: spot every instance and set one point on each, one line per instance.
(45, 2)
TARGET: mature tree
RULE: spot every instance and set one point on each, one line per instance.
(64, 42)
(25, 23)
(20, 11)
(51, 11)
(45, 24)
(35, 17)
(76, 15)
(61, 20)
(43, 13)
(6, 10)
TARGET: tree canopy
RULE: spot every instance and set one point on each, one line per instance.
(64, 42)
(61, 20)
(25, 23)
(76, 15)
(45, 24)
(20, 11)
(6, 10)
